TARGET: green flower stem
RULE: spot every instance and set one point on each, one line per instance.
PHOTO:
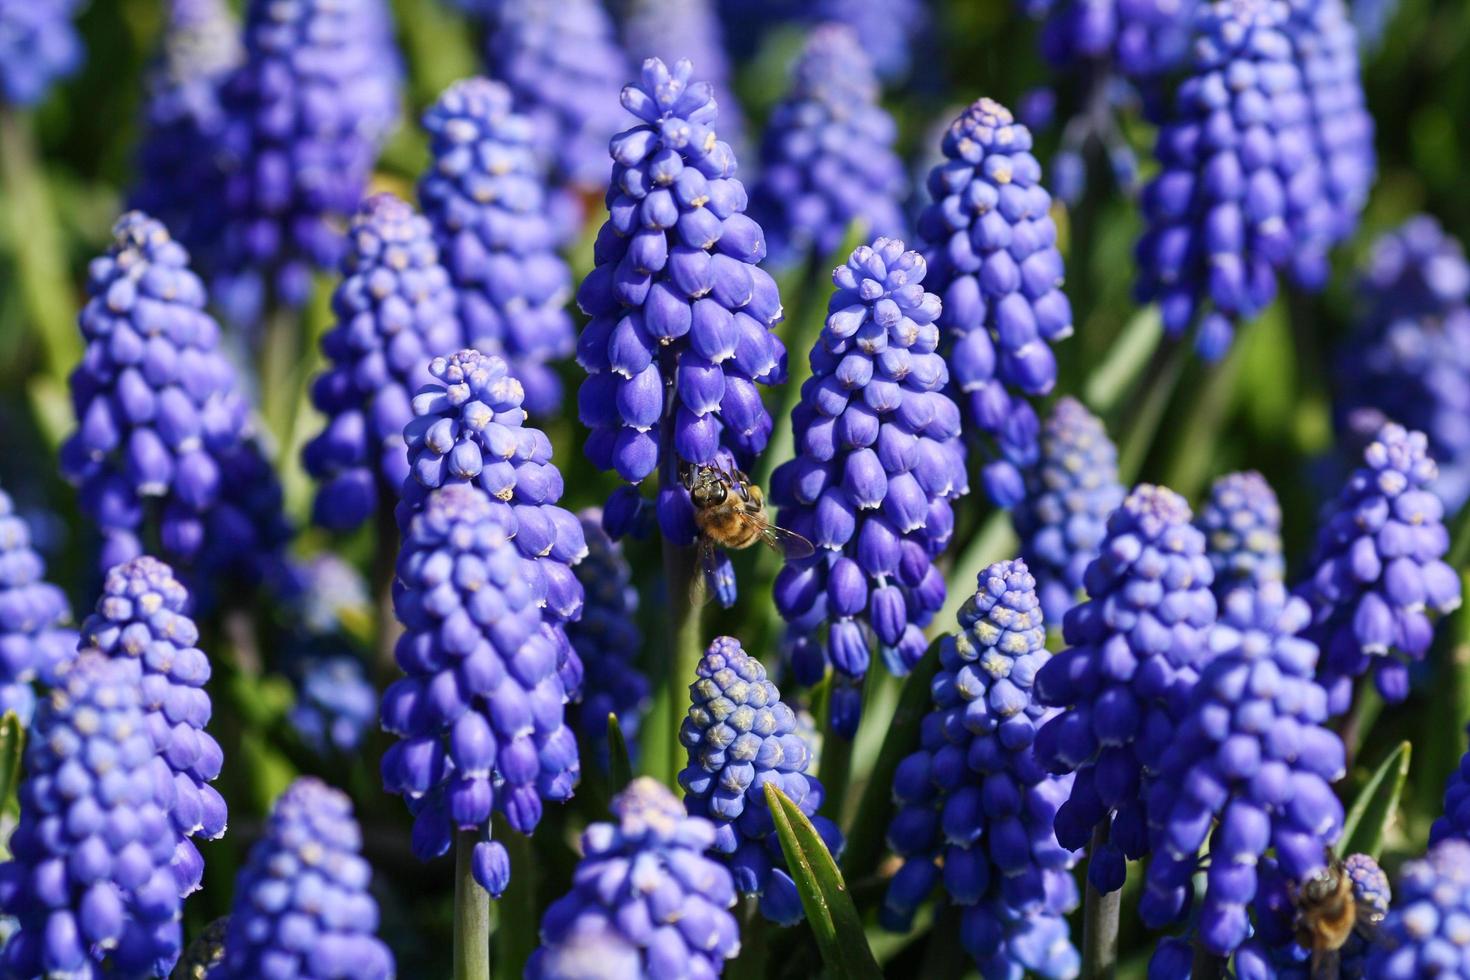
(755, 951)
(471, 914)
(836, 768)
(35, 245)
(1208, 966)
(515, 923)
(1100, 923)
(685, 647)
(281, 358)
(1146, 413)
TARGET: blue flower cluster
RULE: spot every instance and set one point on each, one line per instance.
(1409, 359)
(1249, 769)
(672, 29)
(741, 736)
(480, 714)
(608, 641)
(878, 461)
(645, 900)
(336, 705)
(827, 156)
(302, 907)
(395, 310)
(1141, 39)
(38, 46)
(1266, 158)
(305, 113)
(562, 62)
(485, 194)
(160, 418)
(142, 620)
(976, 807)
(89, 876)
(1424, 931)
(34, 638)
(1378, 575)
(469, 427)
(991, 246)
(889, 30)
(1070, 491)
(1241, 522)
(676, 299)
(1134, 651)
(177, 176)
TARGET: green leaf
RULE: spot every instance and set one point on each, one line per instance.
(1376, 805)
(12, 743)
(829, 910)
(620, 769)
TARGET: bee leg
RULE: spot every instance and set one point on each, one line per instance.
(1326, 964)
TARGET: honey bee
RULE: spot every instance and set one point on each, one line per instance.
(730, 512)
(1328, 912)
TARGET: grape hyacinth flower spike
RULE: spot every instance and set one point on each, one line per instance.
(178, 179)
(1070, 491)
(990, 243)
(304, 116)
(38, 47)
(1454, 821)
(480, 715)
(302, 905)
(608, 641)
(34, 637)
(160, 418)
(827, 156)
(1241, 522)
(336, 704)
(1139, 40)
(741, 736)
(975, 807)
(142, 619)
(1249, 768)
(469, 427)
(879, 460)
(1409, 358)
(681, 313)
(1379, 576)
(1423, 933)
(1134, 649)
(89, 875)
(645, 901)
(395, 310)
(485, 195)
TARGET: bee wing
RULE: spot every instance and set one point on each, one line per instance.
(789, 543)
(700, 592)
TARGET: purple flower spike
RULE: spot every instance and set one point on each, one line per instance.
(1379, 577)
(34, 638)
(740, 736)
(305, 114)
(561, 61)
(991, 246)
(302, 906)
(975, 805)
(645, 900)
(1250, 768)
(485, 195)
(336, 703)
(674, 29)
(1242, 526)
(608, 641)
(177, 176)
(1141, 39)
(142, 620)
(395, 310)
(1423, 934)
(1069, 494)
(1135, 648)
(469, 427)
(1266, 158)
(680, 334)
(1455, 820)
(163, 439)
(1409, 360)
(480, 714)
(827, 157)
(38, 47)
(887, 29)
(878, 461)
(89, 874)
